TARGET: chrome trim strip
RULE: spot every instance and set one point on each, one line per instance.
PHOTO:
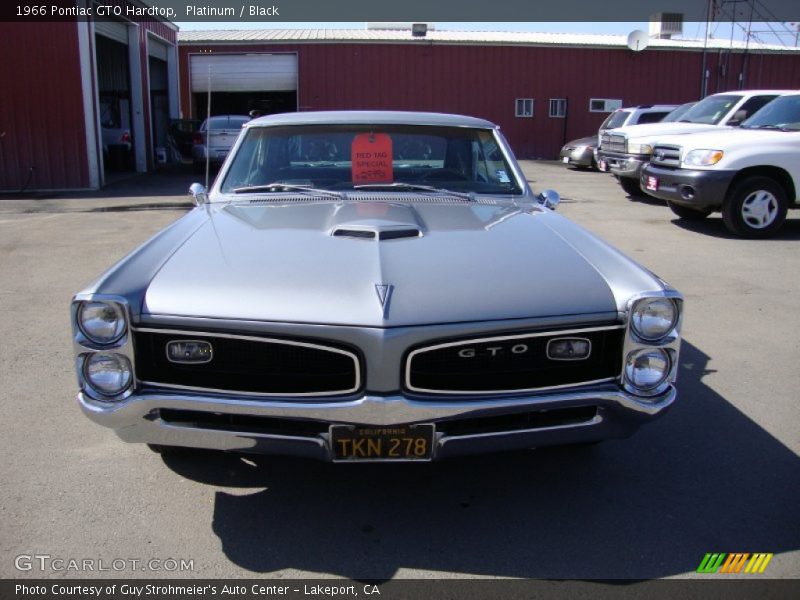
(596, 420)
(407, 378)
(366, 409)
(351, 355)
(275, 395)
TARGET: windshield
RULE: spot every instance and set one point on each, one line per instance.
(711, 110)
(615, 119)
(781, 113)
(678, 113)
(348, 157)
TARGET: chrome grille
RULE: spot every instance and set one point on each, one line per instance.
(512, 363)
(248, 365)
(613, 143)
(666, 156)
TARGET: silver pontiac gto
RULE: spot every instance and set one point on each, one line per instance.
(374, 286)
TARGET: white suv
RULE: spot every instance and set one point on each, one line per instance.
(626, 150)
(751, 174)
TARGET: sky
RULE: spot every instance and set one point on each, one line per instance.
(771, 33)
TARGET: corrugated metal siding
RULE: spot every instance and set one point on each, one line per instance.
(484, 81)
(41, 122)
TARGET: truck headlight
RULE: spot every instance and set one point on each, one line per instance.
(101, 322)
(640, 148)
(647, 369)
(702, 158)
(108, 373)
(653, 318)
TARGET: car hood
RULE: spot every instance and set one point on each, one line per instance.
(649, 131)
(314, 262)
(736, 137)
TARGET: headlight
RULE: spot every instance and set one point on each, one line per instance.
(702, 158)
(640, 148)
(646, 370)
(101, 322)
(653, 318)
(108, 373)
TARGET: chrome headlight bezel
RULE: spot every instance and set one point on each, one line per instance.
(119, 330)
(636, 317)
(669, 343)
(117, 393)
(659, 384)
(84, 347)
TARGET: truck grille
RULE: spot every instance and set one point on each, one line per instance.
(666, 156)
(513, 363)
(613, 143)
(248, 365)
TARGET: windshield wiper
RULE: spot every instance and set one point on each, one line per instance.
(414, 187)
(279, 186)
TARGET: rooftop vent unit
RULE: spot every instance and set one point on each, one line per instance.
(664, 25)
(416, 29)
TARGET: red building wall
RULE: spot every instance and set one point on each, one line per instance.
(484, 81)
(42, 133)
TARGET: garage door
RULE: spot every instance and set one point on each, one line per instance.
(115, 30)
(245, 72)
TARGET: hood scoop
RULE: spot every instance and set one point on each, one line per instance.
(379, 234)
(379, 221)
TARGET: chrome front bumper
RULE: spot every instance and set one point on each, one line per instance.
(138, 419)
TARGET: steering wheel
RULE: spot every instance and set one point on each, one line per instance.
(443, 175)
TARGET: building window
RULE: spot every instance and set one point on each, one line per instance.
(524, 107)
(604, 105)
(558, 107)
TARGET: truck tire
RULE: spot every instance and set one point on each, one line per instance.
(755, 207)
(685, 212)
(631, 186)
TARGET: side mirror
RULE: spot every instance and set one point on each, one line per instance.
(198, 191)
(549, 199)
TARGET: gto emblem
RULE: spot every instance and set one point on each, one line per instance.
(492, 351)
(384, 292)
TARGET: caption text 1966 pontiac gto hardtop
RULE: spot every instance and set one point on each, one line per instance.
(374, 286)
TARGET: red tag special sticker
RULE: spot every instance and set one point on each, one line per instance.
(371, 155)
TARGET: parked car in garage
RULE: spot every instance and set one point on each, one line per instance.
(215, 138)
(580, 153)
(625, 151)
(751, 174)
(374, 286)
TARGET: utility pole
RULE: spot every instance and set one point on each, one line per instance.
(703, 71)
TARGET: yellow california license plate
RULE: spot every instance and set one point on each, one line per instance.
(382, 443)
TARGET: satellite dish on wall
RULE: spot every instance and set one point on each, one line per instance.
(638, 40)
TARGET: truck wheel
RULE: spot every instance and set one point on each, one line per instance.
(755, 208)
(630, 186)
(690, 214)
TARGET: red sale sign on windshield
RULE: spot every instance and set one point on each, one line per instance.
(371, 154)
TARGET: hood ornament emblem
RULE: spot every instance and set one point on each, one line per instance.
(384, 292)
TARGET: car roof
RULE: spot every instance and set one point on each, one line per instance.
(753, 92)
(378, 117)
